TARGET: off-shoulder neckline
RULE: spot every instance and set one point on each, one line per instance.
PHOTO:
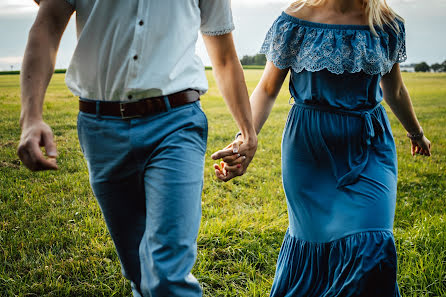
(323, 25)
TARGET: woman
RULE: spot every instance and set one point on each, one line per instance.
(338, 154)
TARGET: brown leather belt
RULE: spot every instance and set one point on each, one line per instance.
(140, 108)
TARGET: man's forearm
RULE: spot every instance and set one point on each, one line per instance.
(37, 69)
(231, 82)
(230, 79)
(40, 56)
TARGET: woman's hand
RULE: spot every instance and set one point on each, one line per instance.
(421, 146)
(235, 158)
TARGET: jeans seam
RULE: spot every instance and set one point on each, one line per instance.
(79, 133)
(204, 117)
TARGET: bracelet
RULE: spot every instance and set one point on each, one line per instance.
(237, 135)
(416, 136)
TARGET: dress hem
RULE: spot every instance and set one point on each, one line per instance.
(344, 236)
(362, 264)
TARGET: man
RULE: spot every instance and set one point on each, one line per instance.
(140, 124)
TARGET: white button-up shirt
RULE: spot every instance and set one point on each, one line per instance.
(134, 49)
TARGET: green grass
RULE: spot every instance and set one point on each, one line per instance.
(246, 67)
(53, 241)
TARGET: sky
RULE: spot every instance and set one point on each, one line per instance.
(425, 29)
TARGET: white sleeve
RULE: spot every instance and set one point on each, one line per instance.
(216, 17)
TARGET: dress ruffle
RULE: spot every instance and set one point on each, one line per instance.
(302, 45)
(363, 264)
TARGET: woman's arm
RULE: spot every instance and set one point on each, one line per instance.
(262, 101)
(397, 97)
(265, 94)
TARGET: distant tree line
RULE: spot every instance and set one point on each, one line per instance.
(18, 71)
(259, 60)
(424, 67)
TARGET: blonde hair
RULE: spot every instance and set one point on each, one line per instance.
(378, 12)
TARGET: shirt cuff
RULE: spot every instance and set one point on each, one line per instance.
(218, 32)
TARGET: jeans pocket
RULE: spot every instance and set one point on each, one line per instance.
(204, 126)
(89, 129)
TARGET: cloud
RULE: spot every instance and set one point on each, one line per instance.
(11, 60)
(10, 63)
(17, 7)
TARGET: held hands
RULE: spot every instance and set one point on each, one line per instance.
(421, 146)
(35, 135)
(236, 158)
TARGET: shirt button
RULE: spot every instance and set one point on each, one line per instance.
(141, 22)
(135, 57)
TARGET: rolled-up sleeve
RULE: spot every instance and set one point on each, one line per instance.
(216, 17)
(72, 2)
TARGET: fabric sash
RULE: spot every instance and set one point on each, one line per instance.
(372, 127)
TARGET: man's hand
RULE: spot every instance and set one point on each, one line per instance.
(36, 135)
(236, 158)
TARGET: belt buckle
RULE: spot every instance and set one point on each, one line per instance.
(122, 109)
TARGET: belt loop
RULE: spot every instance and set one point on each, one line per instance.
(98, 109)
(167, 103)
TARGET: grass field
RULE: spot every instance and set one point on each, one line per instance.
(53, 241)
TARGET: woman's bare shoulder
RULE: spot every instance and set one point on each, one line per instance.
(303, 13)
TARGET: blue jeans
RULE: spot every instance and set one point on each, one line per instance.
(147, 175)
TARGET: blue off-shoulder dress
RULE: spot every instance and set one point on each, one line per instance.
(339, 164)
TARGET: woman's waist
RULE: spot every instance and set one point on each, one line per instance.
(340, 137)
(357, 111)
(341, 101)
(336, 104)
(335, 123)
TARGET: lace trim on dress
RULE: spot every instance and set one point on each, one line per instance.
(297, 44)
